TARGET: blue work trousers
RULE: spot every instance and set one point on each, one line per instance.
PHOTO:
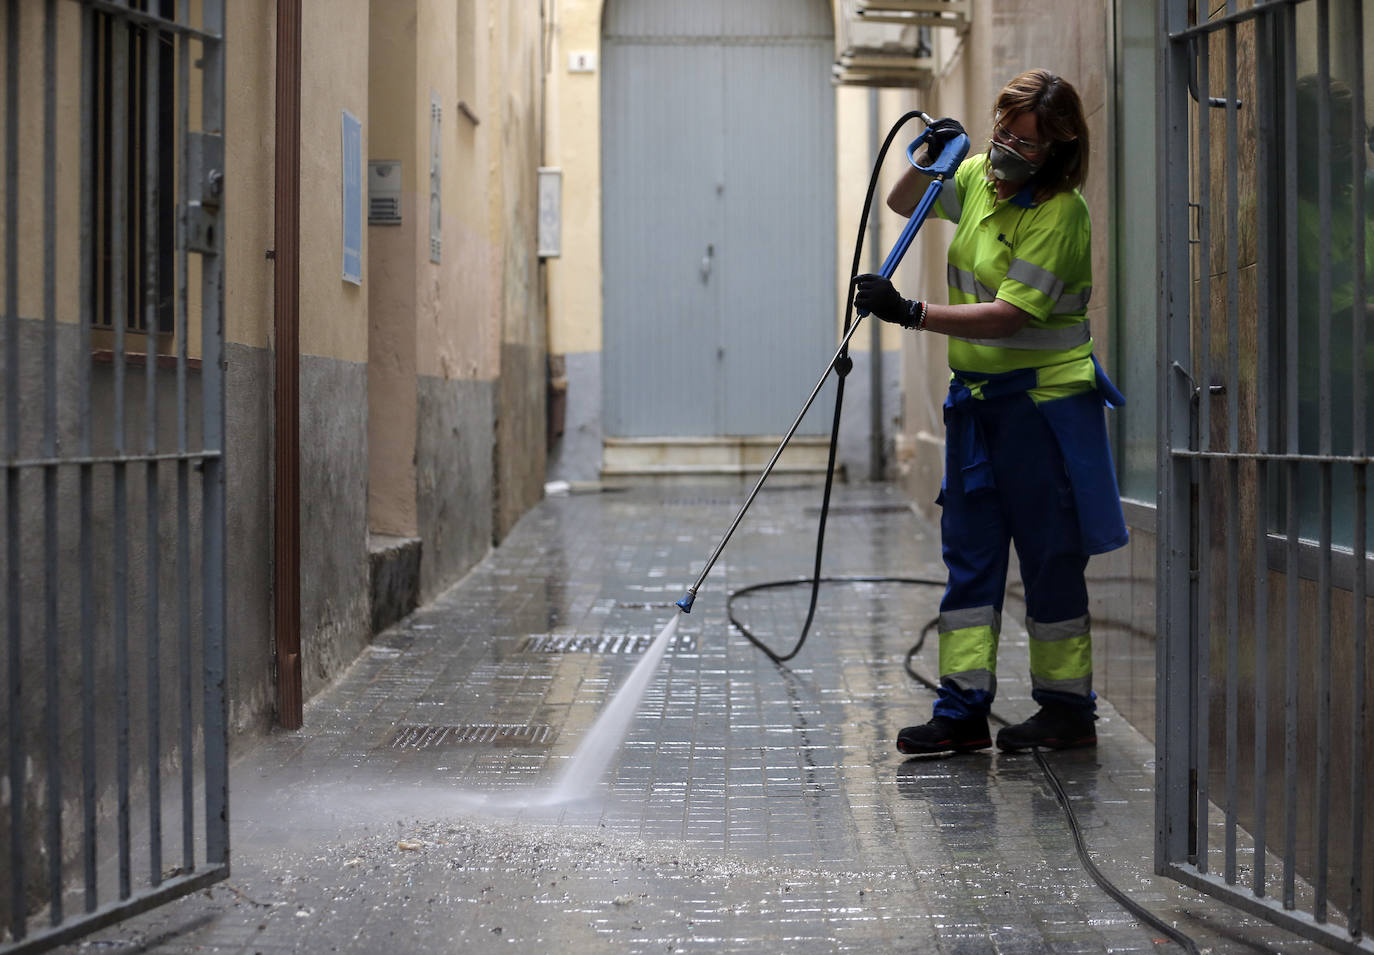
(1005, 483)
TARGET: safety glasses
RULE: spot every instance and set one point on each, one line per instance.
(1007, 138)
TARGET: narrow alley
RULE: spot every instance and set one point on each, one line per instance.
(751, 807)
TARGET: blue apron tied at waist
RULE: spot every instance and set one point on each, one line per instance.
(1080, 428)
(1111, 397)
(963, 429)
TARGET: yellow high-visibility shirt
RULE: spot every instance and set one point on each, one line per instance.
(1038, 257)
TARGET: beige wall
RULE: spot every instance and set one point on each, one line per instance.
(574, 144)
(334, 44)
(455, 318)
(390, 278)
(250, 177)
(448, 320)
(333, 78)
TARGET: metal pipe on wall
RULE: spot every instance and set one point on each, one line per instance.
(286, 409)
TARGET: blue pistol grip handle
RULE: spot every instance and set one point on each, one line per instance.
(949, 159)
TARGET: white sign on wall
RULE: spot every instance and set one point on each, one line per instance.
(550, 212)
(583, 61)
(436, 112)
(352, 179)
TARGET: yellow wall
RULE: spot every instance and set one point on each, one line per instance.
(334, 52)
(391, 276)
(249, 171)
(574, 145)
(453, 321)
(29, 247)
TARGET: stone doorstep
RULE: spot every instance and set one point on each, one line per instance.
(394, 569)
(702, 456)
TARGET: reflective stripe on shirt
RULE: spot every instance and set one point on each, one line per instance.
(1039, 338)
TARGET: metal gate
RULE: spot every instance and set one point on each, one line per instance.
(718, 186)
(1266, 362)
(115, 794)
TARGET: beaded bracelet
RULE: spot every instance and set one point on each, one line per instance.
(921, 322)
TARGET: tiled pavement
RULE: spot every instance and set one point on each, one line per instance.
(750, 807)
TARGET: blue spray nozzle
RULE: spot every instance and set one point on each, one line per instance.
(949, 159)
(686, 602)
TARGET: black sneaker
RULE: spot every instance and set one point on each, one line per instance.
(944, 735)
(1054, 727)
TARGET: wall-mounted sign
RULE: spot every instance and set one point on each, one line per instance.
(436, 113)
(384, 192)
(550, 237)
(352, 179)
(583, 61)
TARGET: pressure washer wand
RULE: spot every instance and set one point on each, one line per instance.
(951, 154)
(686, 602)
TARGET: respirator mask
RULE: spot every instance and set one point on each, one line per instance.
(1009, 165)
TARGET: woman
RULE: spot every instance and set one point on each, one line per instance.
(1026, 453)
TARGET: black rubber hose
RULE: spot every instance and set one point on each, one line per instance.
(842, 366)
(1062, 797)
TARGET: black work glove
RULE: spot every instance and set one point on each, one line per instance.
(938, 134)
(875, 294)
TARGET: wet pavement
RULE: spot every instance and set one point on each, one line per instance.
(750, 807)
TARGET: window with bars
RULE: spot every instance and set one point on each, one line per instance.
(133, 169)
(1322, 356)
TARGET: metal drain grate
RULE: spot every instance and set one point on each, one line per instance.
(626, 644)
(491, 734)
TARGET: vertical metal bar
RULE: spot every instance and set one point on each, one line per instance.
(152, 157)
(1174, 397)
(1266, 292)
(1323, 163)
(1290, 713)
(188, 841)
(14, 621)
(1360, 630)
(1324, 307)
(52, 650)
(1233, 446)
(1359, 703)
(1323, 698)
(212, 479)
(1202, 371)
(1261, 705)
(85, 546)
(119, 316)
(1291, 432)
(1233, 491)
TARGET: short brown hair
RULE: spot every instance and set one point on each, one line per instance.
(1059, 114)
